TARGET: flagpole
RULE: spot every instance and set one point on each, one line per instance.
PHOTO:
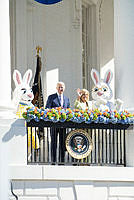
(37, 87)
(39, 49)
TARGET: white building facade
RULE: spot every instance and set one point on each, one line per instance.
(75, 35)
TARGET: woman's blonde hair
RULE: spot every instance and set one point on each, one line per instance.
(84, 91)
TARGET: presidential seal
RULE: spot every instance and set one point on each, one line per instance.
(78, 144)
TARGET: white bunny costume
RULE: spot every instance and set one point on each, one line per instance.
(22, 97)
(23, 94)
(102, 92)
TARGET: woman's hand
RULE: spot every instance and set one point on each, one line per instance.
(79, 93)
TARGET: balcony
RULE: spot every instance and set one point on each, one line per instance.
(108, 143)
(37, 167)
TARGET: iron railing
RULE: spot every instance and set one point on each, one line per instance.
(109, 143)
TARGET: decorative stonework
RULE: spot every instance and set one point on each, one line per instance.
(77, 14)
(100, 13)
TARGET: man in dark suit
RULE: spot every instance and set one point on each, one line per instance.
(58, 100)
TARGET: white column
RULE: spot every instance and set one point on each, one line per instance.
(124, 51)
(124, 63)
(5, 75)
(5, 90)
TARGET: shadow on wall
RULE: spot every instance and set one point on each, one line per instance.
(106, 20)
(74, 190)
(17, 129)
(58, 189)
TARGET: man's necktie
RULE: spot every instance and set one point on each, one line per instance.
(60, 99)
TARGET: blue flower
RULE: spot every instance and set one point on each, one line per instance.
(88, 121)
(102, 119)
(36, 119)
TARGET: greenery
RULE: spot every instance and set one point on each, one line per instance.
(78, 116)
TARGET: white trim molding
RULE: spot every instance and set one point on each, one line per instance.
(66, 173)
(91, 2)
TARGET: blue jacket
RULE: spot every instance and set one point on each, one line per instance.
(53, 101)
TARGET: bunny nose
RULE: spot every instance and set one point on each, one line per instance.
(29, 95)
(99, 93)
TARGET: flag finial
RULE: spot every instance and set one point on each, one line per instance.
(38, 49)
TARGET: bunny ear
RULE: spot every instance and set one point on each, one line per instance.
(17, 78)
(95, 76)
(27, 76)
(108, 76)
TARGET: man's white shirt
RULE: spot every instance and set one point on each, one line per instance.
(61, 98)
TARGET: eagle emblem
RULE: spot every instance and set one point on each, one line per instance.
(78, 143)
